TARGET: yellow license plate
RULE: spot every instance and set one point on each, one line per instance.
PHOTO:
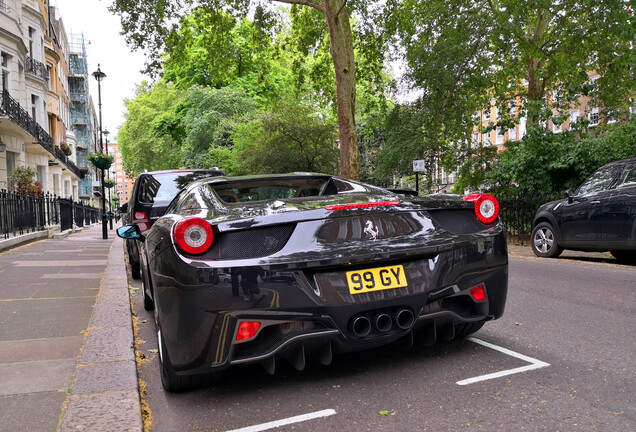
(376, 279)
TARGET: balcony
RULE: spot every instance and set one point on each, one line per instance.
(36, 68)
(12, 109)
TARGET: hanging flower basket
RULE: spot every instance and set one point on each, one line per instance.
(100, 160)
(109, 184)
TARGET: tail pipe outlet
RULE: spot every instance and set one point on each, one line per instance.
(382, 322)
(361, 326)
(404, 318)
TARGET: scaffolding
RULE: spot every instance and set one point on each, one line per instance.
(80, 107)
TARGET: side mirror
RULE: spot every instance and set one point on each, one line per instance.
(569, 194)
(130, 232)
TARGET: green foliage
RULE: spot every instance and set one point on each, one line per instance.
(22, 181)
(292, 137)
(150, 137)
(372, 137)
(547, 162)
(207, 119)
(66, 149)
(101, 160)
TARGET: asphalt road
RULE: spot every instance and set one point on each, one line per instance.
(565, 354)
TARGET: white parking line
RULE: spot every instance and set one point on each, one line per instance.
(287, 421)
(534, 363)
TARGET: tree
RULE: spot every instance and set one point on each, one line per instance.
(206, 119)
(292, 137)
(539, 54)
(147, 24)
(445, 53)
(149, 138)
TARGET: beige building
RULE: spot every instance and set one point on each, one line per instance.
(34, 109)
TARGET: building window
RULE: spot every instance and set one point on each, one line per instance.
(593, 116)
(34, 107)
(487, 114)
(4, 65)
(31, 37)
(574, 117)
(556, 126)
(476, 139)
(41, 176)
(512, 134)
(500, 136)
(11, 158)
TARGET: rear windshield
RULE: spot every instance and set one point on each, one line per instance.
(163, 187)
(283, 188)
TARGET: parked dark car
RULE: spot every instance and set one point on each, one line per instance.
(151, 194)
(599, 216)
(318, 265)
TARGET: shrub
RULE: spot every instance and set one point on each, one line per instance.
(22, 181)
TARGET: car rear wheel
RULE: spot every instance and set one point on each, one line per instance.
(626, 257)
(179, 383)
(544, 242)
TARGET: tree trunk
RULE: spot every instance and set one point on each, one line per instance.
(344, 64)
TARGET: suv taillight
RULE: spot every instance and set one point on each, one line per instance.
(141, 220)
(486, 207)
(193, 235)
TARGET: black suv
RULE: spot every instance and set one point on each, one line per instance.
(599, 216)
(151, 195)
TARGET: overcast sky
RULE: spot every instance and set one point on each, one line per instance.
(107, 47)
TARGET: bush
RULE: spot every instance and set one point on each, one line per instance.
(544, 162)
(22, 181)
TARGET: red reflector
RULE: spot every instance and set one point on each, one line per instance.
(141, 220)
(478, 293)
(362, 205)
(247, 330)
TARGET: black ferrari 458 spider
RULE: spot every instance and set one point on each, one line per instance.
(261, 268)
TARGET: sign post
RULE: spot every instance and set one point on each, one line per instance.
(418, 166)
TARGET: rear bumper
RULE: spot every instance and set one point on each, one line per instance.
(307, 309)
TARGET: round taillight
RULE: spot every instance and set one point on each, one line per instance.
(486, 207)
(193, 235)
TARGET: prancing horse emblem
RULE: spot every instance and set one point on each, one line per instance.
(371, 230)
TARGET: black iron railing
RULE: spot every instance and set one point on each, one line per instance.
(21, 214)
(517, 212)
(36, 68)
(12, 108)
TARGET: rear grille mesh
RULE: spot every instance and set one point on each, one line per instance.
(248, 243)
(459, 221)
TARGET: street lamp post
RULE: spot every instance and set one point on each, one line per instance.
(99, 76)
(110, 203)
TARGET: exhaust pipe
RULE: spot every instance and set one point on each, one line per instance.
(404, 318)
(383, 322)
(361, 326)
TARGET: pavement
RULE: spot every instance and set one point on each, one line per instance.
(67, 361)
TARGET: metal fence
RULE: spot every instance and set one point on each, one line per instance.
(517, 212)
(21, 214)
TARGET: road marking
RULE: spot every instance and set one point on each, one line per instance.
(534, 364)
(64, 263)
(72, 276)
(287, 421)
